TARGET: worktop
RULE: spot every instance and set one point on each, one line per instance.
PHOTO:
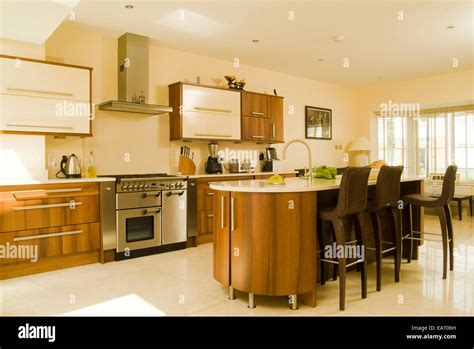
(245, 174)
(292, 185)
(4, 183)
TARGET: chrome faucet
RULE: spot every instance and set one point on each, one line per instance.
(309, 170)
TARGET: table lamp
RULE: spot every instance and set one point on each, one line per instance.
(360, 145)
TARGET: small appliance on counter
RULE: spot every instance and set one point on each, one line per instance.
(213, 164)
(241, 166)
(70, 167)
(271, 162)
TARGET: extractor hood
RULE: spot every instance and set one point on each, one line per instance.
(133, 78)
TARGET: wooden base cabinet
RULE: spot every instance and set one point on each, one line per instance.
(266, 243)
(49, 227)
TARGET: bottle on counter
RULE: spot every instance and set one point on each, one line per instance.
(91, 171)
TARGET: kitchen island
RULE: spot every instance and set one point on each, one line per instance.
(265, 235)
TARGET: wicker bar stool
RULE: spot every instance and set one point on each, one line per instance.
(441, 205)
(385, 206)
(352, 200)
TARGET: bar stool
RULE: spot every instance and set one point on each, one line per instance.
(352, 200)
(441, 205)
(387, 196)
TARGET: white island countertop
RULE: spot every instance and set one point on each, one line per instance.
(292, 185)
(4, 183)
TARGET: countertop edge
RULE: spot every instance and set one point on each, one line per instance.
(242, 174)
(55, 181)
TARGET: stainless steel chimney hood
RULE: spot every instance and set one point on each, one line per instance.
(133, 78)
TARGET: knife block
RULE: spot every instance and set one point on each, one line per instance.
(186, 166)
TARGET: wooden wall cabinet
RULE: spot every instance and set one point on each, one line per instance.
(40, 97)
(62, 220)
(262, 117)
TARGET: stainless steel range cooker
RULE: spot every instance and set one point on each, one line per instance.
(150, 214)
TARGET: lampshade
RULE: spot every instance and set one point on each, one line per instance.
(360, 144)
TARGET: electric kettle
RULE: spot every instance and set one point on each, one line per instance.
(70, 167)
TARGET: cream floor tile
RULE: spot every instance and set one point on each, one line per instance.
(181, 283)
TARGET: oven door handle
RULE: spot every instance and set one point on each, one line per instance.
(152, 193)
(151, 210)
(174, 193)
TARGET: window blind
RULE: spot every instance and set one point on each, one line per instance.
(430, 142)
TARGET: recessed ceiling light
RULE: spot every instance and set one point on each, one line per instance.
(129, 7)
(321, 59)
(338, 38)
(379, 77)
(450, 27)
(256, 41)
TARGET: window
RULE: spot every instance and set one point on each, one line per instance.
(429, 142)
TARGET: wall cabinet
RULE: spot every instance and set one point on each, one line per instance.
(262, 117)
(39, 97)
(201, 112)
(61, 220)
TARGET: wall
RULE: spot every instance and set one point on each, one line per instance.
(22, 156)
(431, 92)
(146, 138)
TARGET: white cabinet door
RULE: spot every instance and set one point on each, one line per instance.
(35, 79)
(210, 100)
(43, 98)
(43, 115)
(211, 126)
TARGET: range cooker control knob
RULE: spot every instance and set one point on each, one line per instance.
(140, 187)
(135, 187)
(130, 187)
(171, 185)
(124, 188)
(146, 186)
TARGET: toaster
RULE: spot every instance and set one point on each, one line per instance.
(241, 165)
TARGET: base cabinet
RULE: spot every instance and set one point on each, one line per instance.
(267, 246)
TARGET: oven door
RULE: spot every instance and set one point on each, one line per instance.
(138, 228)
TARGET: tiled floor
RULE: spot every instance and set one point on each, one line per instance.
(181, 283)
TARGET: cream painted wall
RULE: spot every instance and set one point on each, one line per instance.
(146, 138)
(22, 156)
(431, 92)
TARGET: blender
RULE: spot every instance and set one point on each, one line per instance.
(212, 164)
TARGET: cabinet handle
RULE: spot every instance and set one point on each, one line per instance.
(210, 194)
(273, 130)
(42, 236)
(212, 135)
(222, 212)
(210, 215)
(149, 210)
(260, 137)
(36, 207)
(257, 113)
(45, 191)
(46, 92)
(152, 193)
(41, 126)
(232, 223)
(214, 109)
(174, 193)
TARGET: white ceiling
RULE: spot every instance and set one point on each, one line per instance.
(378, 46)
(32, 21)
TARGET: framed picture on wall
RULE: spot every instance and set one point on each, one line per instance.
(318, 123)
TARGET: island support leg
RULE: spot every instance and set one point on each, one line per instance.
(231, 293)
(293, 302)
(251, 301)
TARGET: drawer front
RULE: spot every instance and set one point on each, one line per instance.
(48, 191)
(206, 221)
(36, 114)
(34, 214)
(44, 80)
(211, 126)
(210, 100)
(205, 198)
(50, 242)
(254, 104)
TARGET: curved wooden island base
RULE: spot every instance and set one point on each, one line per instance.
(265, 235)
(265, 243)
